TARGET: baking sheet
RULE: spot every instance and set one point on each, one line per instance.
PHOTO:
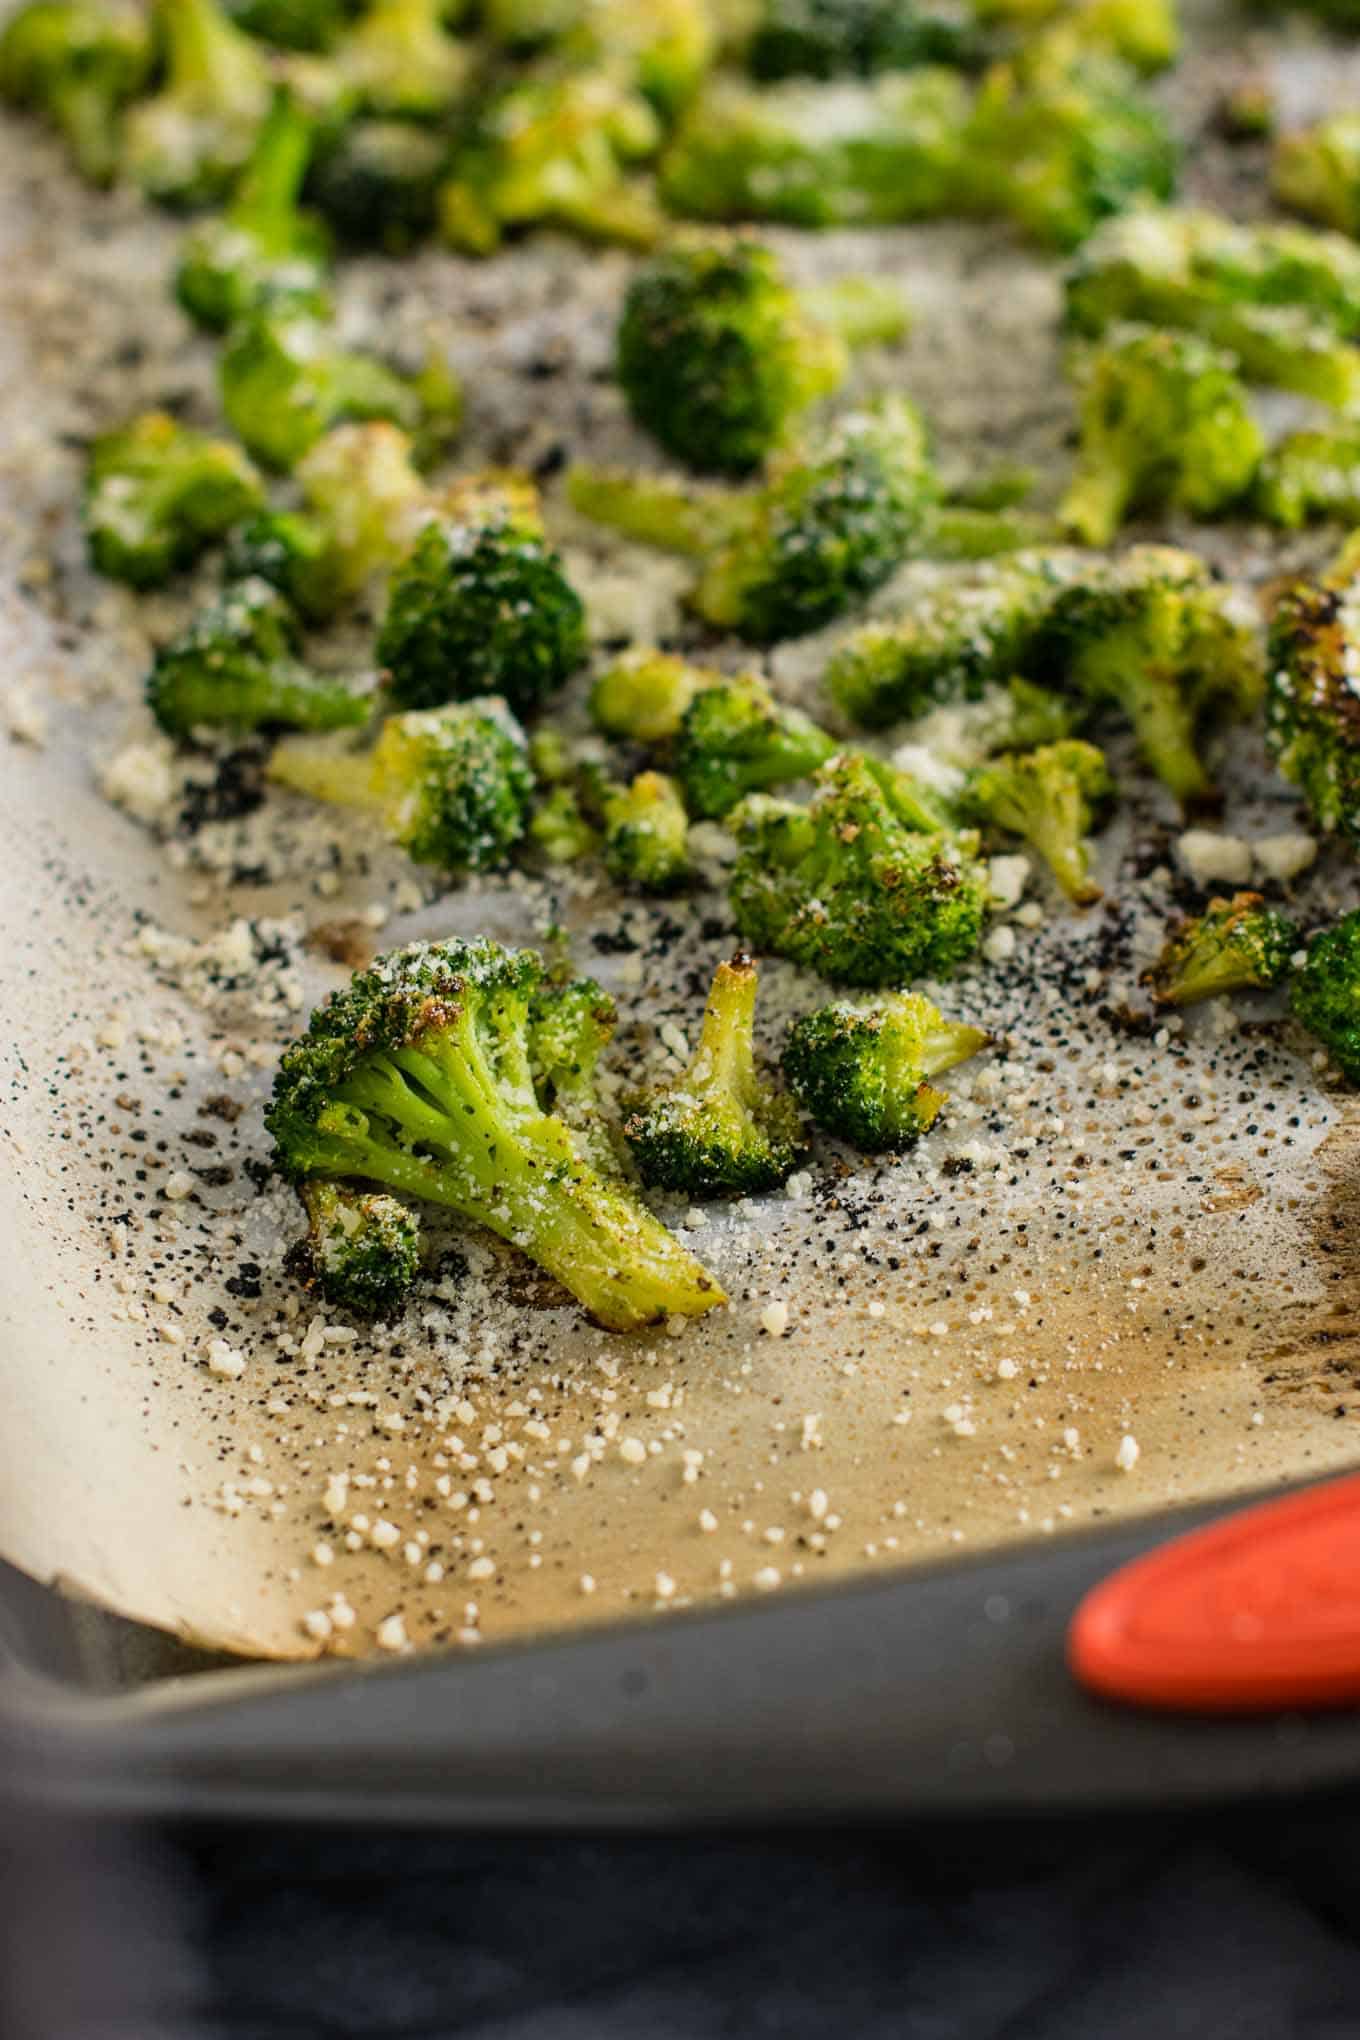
(1112, 1234)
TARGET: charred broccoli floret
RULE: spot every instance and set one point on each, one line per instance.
(377, 186)
(1049, 797)
(78, 63)
(722, 1129)
(451, 785)
(644, 694)
(1316, 172)
(1312, 707)
(285, 380)
(857, 38)
(186, 146)
(862, 1072)
(646, 830)
(1165, 424)
(401, 61)
(236, 666)
(718, 356)
(481, 604)
(362, 1250)
(157, 493)
(830, 525)
(418, 1077)
(736, 738)
(1308, 476)
(1235, 945)
(856, 886)
(262, 248)
(1325, 993)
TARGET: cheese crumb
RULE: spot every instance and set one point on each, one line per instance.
(633, 1451)
(774, 1319)
(1214, 859)
(1007, 878)
(1126, 1458)
(391, 1634)
(1284, 857)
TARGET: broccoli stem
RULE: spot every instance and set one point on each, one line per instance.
(959, 531)
(1094, 505)
(272, 179)
(954, 1042)
(674, 516)
(197, 34)
(82, 111)
(724, 1064)
(862, 310)
(325, 773)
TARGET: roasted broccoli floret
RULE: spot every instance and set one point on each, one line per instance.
(831, 524)
(362, 1250)
(157, 493)
(737, 738)
(377, 186)
(644, 694)
(1325, 993)
(861, 1072)
(858, 38)
(1316, 172)
(78, 63)
(402, 62)
(262, 248)
(1308, 476)
(186, 146)
(418, 1077)
(236, 666)
(1142, 33)
(561, 828)
(722, 1129)
(310, 25)
(718, 356)
(856, 885)
(285, 380)
(1235, 945)
(1312, 707)
(481, 605)
(451, 785)
(646, 830)
(1165, 423)
(1049, 797)
(570, 1026)
(661, 47)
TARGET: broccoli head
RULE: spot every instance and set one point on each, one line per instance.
(571, 1023)
(262, 248)
(377, 185)
(236, 666)
(646, 830)
(451, 785)
(643, 695)
(78, 63)
(1235, 945)
(856, 886)
(1165, 423)
(187, 144)
(157, 493)
(660, 47)
(402, 62)
(1325, 993)
(1050, 798)
(1316, 172)
(362, 1250)
(561, 829)
(1308, 476)
(481, 604)
(418, 1076)
(857, 38)
(1312, 707)
(736, 738)
(722, 1128)
(862, 1072)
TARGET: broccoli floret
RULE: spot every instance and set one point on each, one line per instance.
(661, 47)
(1325, 994)
(856, 886)
(561, 828)
(857, 38)
(1165, 424)
(1312, 708)
(1308, 476)
(362, 1250)
(402, 62)
(736, 738)
(722, 1129)
(646, 830)
(1050, 798)
(285, 380)
(78, 63)
(1316, 172)
(861, 1072)
(1235, 945)
(1142, 33)
(261, 249)
(644, 694)
(831, 524)
(157, 493)
(451, 785)
(480, 605)
(571, 1024)
(378, 185)
(236, 666)
(718, 357)
(418, 1077)
(309, 25)
(186, 146)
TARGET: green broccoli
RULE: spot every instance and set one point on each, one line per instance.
(561, 829)
(571, 1024)
(1235, 945)
(861, 1072)
(418, 1077)
(856, 886)
(857, 38)
(261, 249)
(830, 525)
(362, 1250)
(1325, 994)
(1312, 707)
(722, 1129)
(78, 63)
(285, 380)
(481, 604)
(646, 830)
(736, 738)
(1308, 476)
(186, 146)
(378, 185)
(1165, 424)
(662, 48)
(310, 25)
(643, 695)
(451, 785)
(718, 356)
(1050, 798)
(157, 493)
(235, 665)
(403, 63)
(1316, 172)
(1145, 34)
